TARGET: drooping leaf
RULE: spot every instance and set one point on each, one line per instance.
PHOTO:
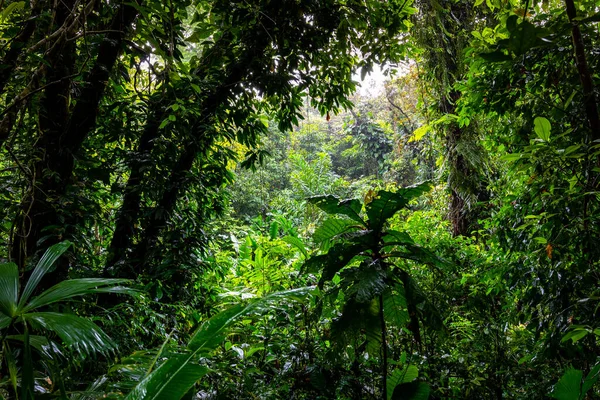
(45, 263)
(569, 385)
(297, 243)
(9, 289)
(76, 332)
(332, 205)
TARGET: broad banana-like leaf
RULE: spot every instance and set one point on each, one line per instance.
(173, 379)
(332, 205)
(76, 332)
(9, 289)
(48, 259)
(77, 287)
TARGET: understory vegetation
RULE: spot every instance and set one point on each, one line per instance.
(198, 203)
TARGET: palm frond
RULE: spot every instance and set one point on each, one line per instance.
(48, 259)
(76, 332)
(9, 289)
(77, 287)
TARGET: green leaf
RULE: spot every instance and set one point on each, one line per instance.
(542, 128)
(333, 227)
(76, 332)
(369, 281)
(332, 205)
(575, 335)
(27, 381)
(412, 391)
(11, 364)
(9, 9)
(400, 376)
(419, 133)
(297, 243)
(77, 287)
(590, 379)
(9, 289)
(569, 385)
(336, 258)
(393, 237)
(395, 306)
(45, 263)
(173, 379)
(386, 204)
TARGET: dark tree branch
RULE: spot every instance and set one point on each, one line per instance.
(589, 98)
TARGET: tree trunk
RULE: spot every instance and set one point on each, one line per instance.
(41, 212)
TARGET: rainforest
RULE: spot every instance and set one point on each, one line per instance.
(299, 199)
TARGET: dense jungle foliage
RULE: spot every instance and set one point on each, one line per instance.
(198, 204)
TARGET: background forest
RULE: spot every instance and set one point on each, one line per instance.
(197, 203)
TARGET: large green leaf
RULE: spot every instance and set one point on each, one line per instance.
(336, 258)
(9, 289)
(77, 287)
(395, 306)
(569, 385)
(417, 253)
(48, 259)
(76, 332)
(386, 204)
(369, 281)
(400, 376)
(411, 391)
(173, 379)
(356, 319)
(332, 205)
(333, 227)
